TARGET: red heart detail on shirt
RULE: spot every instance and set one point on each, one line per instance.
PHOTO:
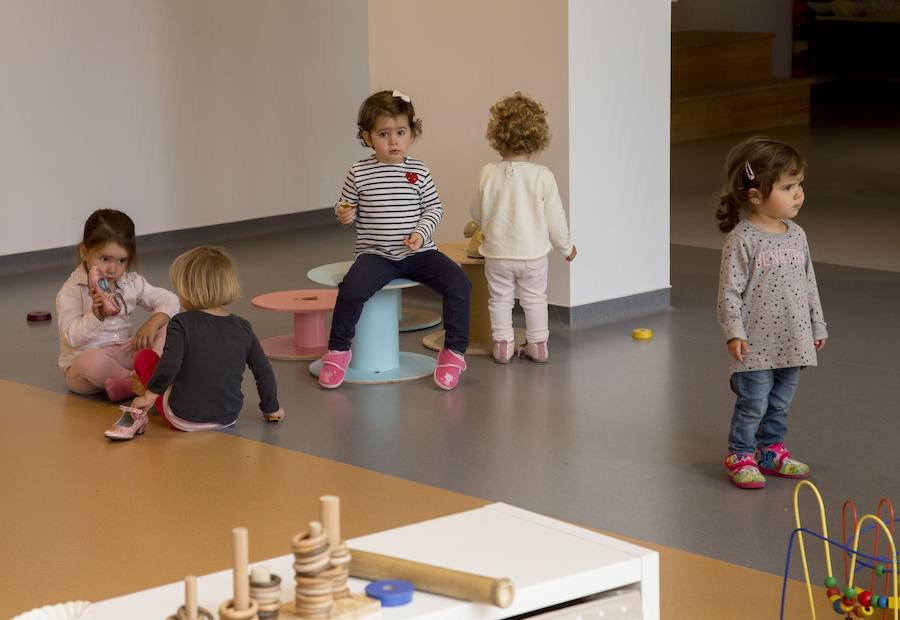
(412, 177)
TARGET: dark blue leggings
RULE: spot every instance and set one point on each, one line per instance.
(371, 272)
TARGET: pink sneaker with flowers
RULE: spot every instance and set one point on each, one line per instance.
(450, 365)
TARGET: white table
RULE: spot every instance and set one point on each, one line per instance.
(550, 562)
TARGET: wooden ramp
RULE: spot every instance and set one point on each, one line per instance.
(84, 518)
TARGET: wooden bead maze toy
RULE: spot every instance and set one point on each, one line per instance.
(851, 601)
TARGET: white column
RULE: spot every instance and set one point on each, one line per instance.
(619, 85)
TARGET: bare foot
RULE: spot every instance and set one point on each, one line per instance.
(136, 386)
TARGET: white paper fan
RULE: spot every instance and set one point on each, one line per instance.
(73, 610)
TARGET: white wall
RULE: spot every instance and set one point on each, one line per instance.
(455, 59)
(619, 68)
(182, 114)
(773, 16)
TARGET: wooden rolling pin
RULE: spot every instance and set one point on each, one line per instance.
(429, 578)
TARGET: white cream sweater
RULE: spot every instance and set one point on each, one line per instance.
(519, 210)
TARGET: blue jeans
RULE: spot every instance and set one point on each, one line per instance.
(761, 409)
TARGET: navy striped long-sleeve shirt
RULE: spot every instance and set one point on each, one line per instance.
(392, 201)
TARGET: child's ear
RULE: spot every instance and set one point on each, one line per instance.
(368, 139)
(754, 196)
(82, 251)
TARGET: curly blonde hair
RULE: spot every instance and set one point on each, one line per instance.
(518, 125)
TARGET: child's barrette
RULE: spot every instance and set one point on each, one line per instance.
(405, 98)
(749, 171)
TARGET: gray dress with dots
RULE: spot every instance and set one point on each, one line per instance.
(768, 296)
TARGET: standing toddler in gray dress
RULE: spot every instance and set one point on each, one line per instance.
(768, 305)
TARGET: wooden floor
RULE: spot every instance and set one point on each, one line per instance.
(87, 519)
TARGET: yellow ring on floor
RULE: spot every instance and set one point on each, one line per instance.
(642, 334)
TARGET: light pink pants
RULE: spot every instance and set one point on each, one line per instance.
(88, 372)
(508, 279)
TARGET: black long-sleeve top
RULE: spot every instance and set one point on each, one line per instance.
(204, 360)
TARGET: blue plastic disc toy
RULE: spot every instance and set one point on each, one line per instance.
(391, 592)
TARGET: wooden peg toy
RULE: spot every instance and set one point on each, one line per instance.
(190, 610)
(241, 607)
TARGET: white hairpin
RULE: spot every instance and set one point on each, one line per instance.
(405, 98)
(749, 171)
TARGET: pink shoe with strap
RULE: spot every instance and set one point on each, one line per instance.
(450, 365)
(334, 367)
(775, 460)
(743, 471)
(132, 422)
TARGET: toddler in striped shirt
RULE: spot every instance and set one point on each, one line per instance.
(392, 200)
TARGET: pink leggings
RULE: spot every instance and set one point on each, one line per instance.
(88, 372)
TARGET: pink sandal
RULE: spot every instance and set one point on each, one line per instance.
(450, 365)
(132, 422)
(113, 302)
(334, 367)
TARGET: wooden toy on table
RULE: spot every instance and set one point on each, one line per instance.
(376, 346)
(310, 308)
(436, 579)
(241, 607)
(265, 589)
(475, 237)
(190, 610)
(321, 563)
(479, 316)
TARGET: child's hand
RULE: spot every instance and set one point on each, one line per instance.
(572, 254)
(346, 213)
(97, 297)
(144, 337)
(275, 416)
(144, 400)
(820, 344)
(414, 241)
(737, 348)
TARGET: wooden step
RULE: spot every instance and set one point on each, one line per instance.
(707, 59)
(772, 102)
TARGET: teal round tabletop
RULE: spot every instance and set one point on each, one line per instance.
(333, 273)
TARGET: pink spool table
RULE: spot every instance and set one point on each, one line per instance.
(310, 308)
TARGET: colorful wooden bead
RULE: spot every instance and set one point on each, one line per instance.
(864, 612)
(879, 570)
(865, 598)
(838, 607)
(846, 606)
(849, 593)
(831, 582)
(832, 592)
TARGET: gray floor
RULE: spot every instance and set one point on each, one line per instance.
(625, 436)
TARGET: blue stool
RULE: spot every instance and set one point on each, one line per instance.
(376, 346)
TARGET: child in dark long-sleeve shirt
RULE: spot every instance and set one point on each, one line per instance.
(196, 384)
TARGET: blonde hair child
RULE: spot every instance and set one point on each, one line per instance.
(196, 383)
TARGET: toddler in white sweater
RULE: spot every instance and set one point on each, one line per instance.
(519, 210)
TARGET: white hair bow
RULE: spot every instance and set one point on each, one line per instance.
(405, 98)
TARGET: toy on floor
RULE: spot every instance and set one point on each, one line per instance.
(642, 334)
(850, 601)
(475, 237)
(190, 610)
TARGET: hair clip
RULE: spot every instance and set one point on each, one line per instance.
(749, 171)
(397, 93)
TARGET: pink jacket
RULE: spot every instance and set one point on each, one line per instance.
(80, 330)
